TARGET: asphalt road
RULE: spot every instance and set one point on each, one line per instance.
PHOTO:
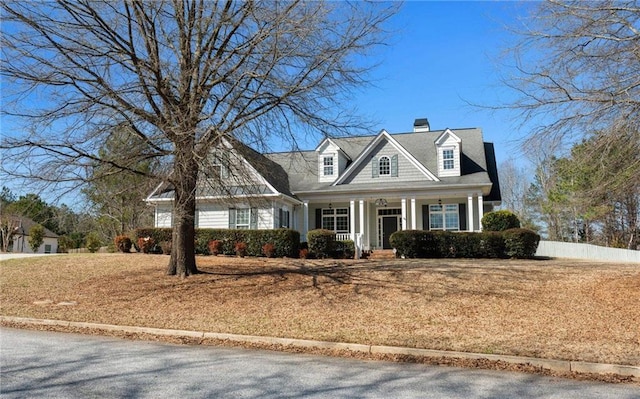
(55, 365)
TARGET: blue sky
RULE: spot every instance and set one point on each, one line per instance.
(443, 56)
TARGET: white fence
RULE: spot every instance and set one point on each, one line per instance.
(555, 249)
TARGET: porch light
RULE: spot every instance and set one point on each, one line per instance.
(381, 202)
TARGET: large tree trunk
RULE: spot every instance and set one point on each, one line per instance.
(185, 176)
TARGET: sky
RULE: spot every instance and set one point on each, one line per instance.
(443, 57)
(440, 58)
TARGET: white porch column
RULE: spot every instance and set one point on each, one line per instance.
(403, 203)
(305, 219)
(352, 220)
(361, 208)
(470, 220)
(480, 211)
(414, 216)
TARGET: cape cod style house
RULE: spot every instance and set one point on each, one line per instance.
(363, 188)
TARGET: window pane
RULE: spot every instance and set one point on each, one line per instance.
(385, 166)
(328, 223)
(342, 211)
(242, 217)
(328, 211)
(435, 221)
(451, 208)
(342, 224)
(451, 220)
(435, 208)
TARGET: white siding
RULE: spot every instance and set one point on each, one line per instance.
(212, 216)
(449, 144)
(406, 170)
(163, 215)
(265, 219)
(21, 245)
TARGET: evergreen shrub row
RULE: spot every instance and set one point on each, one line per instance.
(512, 243)
(285, 242)
(322, 244)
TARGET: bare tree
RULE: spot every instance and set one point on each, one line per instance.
(181, 74)
(578, 67)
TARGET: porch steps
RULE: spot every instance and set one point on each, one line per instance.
(382, 254)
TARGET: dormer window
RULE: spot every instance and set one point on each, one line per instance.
(328, 166)
(384, 166)
(447, 159)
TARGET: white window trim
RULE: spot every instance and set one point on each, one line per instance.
(243, 226)
(443, 213)
(326, 165)
(334, 215)
(388, 166)
(448, 163)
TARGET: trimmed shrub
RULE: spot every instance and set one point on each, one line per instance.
(269, 250)
(285, 241)
(146, 244)
(241, 249)
(416, 244)
(123, 243)
(321, 242)
(521, 243)
(344, 249)
(215, 247)
(500, 221)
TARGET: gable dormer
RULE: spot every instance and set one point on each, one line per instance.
(332, 161)
(448, 148)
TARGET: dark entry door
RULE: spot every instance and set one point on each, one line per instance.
(389, 226)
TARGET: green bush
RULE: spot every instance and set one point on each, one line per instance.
(321, 243)
(521, 243)
(445, 244)
(343, 249)
(92, 242)
(285, 241)
(500, 221)
(416, 244)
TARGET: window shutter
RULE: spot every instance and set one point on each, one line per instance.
(253, 214)
(280, 218)
(394, 166)
(232, 218)
(425, 217)
(318, 218)
(286, 216)
(462, 216)
(374, 168)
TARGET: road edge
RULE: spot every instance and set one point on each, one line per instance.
(562, 366)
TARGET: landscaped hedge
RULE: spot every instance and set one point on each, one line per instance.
(513, 243)
(321, 243)
(286, 242)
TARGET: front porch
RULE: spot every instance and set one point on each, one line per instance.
(369, 222)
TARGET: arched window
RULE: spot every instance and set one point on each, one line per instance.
(384, 166)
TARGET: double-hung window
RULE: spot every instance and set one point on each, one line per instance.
(447, 159)
(336, 220)
(328, 166)
(444, 217)
(243, 218)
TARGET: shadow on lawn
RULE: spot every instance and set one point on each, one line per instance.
(442, 277)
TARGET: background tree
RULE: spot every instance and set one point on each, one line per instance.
(578, 67)
(116, 195)
(181, 74)
(36, 237)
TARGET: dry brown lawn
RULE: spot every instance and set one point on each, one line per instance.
(558, 309)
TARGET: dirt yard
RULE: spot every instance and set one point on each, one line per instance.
(558, 309)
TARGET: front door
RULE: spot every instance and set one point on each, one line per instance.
(389, 226)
